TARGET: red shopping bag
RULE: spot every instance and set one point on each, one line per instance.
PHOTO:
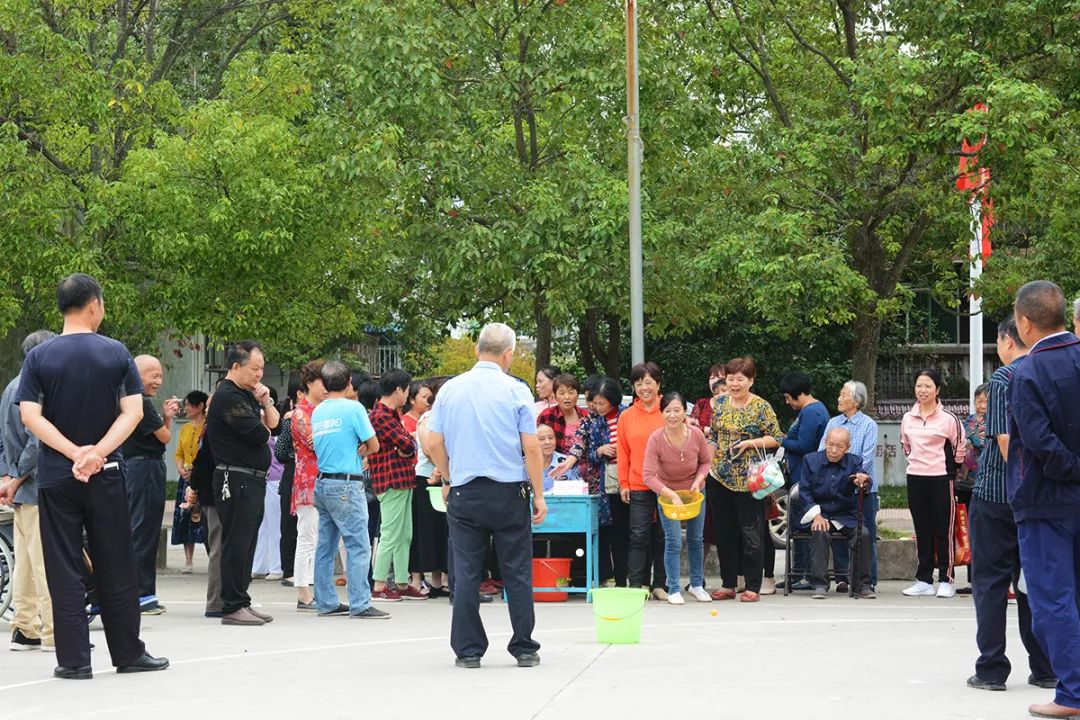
(961, 537)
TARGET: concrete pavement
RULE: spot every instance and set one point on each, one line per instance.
(893, 657)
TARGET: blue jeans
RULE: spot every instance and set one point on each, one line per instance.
(343, 513)
(695, 549)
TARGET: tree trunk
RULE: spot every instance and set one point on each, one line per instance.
(614, 346)
(867, 328)
(586, 339)
(543, 337)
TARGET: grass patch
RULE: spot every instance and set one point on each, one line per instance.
(170, 489)
(892, 496)
(885, 533)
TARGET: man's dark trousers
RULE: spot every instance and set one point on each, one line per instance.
(146, 503)
(241, 514)
(821, 542)
(477, 512)
(99, 506)
(1051, 549)
(995, 564)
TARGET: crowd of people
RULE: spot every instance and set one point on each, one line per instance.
(343, 464)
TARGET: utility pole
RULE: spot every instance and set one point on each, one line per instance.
(633, 165)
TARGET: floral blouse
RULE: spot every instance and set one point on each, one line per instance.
(975, 431)
(731, 425)
(593, 433)
(307, 467)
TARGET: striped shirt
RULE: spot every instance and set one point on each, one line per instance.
(990, 484)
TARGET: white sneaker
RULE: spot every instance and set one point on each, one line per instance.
(699, 594)
(920, 589)
(946, 590)
(676, 599)
(768, 586)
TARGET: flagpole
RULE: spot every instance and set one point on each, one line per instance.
(975, 341)
(975, 180)
(633, 167)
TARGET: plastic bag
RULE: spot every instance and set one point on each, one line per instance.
(765, 477)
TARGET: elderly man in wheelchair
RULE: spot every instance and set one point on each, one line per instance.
(831, 490)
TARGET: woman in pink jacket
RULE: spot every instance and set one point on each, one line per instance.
(933, 439)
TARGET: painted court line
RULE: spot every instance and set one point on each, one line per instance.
(443, 638)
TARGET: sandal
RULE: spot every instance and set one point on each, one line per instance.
(722, 594)
(750, 596)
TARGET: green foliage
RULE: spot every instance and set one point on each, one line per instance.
(457, 355)
(298, 170)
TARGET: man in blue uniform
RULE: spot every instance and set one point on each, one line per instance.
(1044, 483)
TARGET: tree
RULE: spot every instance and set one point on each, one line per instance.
(187, 154)
(457, 355)
(829, 168)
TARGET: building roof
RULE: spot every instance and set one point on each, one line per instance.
(893, 410)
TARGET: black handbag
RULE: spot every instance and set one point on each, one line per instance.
(952, 465)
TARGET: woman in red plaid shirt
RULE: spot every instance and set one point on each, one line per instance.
(565, 417)
(392, 472)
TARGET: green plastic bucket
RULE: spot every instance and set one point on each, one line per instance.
(618, 614)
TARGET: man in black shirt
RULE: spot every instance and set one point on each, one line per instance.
(144, 453)
(238, 428)
(80, 394)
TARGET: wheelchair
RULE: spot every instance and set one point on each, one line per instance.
(795, 531)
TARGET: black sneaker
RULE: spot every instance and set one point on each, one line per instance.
(842, 588)
(371, 613)
(469, 663)
(977, 683)
(341, 609)
(20, 642)
(1047, 683)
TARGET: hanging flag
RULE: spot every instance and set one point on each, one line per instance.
(975, 180)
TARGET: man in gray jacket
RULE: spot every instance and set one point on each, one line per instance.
(32, 626)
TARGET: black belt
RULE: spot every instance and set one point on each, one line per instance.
(340, 476)
(144, 457)
(257, 474)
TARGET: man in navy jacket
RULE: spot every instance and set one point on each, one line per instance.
(1044, 483)
(829, 488)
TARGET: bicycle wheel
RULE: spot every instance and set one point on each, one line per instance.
(7, 565)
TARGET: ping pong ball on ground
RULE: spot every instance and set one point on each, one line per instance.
(713, 613)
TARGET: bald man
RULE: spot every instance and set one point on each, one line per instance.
(830, 490)
(144, 456)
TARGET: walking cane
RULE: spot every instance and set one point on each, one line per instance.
(856, 553)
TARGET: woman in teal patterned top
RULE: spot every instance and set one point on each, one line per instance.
(743, 425)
